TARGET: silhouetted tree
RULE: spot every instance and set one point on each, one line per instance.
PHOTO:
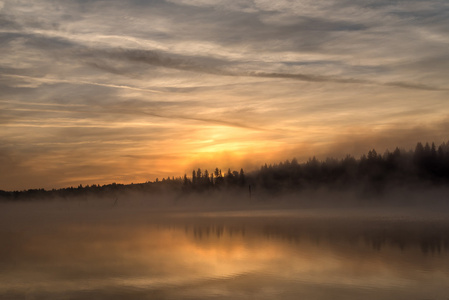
(193, 177)
(242, 179)
(426, 164)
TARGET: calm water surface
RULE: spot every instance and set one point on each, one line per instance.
(70, 252)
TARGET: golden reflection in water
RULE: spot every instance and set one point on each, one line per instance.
(203, 259)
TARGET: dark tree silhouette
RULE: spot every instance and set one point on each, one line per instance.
(424, 166)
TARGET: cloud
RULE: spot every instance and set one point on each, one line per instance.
(220, 68)
(404, 136)
(138, 82)
(40, 80)
(154, 58)
(416, 86)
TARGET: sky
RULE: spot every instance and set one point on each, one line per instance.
(95, 92)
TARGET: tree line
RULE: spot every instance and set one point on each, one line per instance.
(426, 164)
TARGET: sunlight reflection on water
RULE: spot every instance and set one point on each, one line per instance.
(233, 255)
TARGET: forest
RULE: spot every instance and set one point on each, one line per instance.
(425, 166)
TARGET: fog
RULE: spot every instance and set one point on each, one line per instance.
(225, 244)
(122, 205)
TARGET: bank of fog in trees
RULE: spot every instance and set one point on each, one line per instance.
(424, 166)
(427, 165)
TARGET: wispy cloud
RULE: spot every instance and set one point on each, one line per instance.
(94, 88)
(77, 82)
(228, 68)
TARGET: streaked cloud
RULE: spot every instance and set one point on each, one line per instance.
(134, 90)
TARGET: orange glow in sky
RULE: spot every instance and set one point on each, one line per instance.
(94, 92)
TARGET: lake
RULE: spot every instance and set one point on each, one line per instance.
(87, 251)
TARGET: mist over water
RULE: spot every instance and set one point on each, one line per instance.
(134, 247)
(250, 149)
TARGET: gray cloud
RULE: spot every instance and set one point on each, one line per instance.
(118, 77)
(7, 22)
(219, 67)
(235, 28)
(154, 58)
(415, 86)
